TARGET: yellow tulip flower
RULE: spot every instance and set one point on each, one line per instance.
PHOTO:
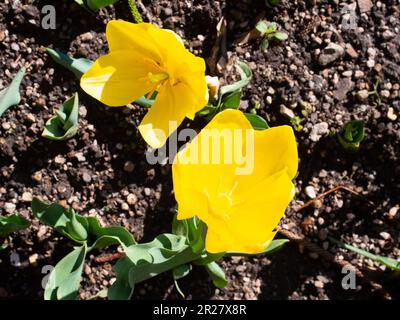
(143, 59)
(241, 210)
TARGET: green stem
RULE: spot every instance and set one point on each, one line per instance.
(135, 12)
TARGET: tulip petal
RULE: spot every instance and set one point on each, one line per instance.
(251, 222)
(201, 168)
(166, 114)
(119, 78)
(122, 35)
(274, 150)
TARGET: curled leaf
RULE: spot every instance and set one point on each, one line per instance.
(10, 224)
(64, 124)
(217, 275)
(352, 134)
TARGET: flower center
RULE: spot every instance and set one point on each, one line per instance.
(219, 205)
(157, 77)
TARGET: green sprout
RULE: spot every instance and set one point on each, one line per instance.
(352, 134)
(296, 123)
(269, 33)
(64, 124)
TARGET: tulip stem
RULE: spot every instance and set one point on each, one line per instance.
(135, 12)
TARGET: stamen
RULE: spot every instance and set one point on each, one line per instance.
(158, 77)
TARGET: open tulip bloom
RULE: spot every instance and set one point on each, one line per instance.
(144, 60)
(240, 207)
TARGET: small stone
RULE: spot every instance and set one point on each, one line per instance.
(351, 52)
(131, 199)
(385, 93)
(86, 177)
(342, 88)
(40, 102)
(31, 118)
(2, 35)
(362, 95)
(364, 5)
(310, 192)
(347, 73)
(41, 232)
(33, 259)
(87, 269)
(147, 191)
(285, 111)
(6, 126)
(80, 157)
(26, 197)
(370, 63)
(59, 160)
(319, 284)
(15, 259)
(37, 176)
(318, 131)
(393, 212)
(86, 37)
(129, 166)
(9, 207)
(331, 53)
(15, 46)
(167, 12)
(385, 235)
(391, 115)
(388, 35)
(125, 206)
(359, 74)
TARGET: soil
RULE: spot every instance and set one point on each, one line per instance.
(104, 164)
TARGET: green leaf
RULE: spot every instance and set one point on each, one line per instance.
(75, 228)
(109, 235)
(245, 75)
(99, 4)
(262, 26)
(64, 280)
(143, 261)
(77, 66)
(272, 27)
(388, 262)
(53, 215)
(79, 228)
(352, 135)
(231, 100)
(10, 224)
(256, 121)
(64, 124)
(217, 275)
(181, 271)
(275, 245)
(281, 36)
(264, 44)
(10, 96)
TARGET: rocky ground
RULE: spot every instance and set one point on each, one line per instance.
(102, 171)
